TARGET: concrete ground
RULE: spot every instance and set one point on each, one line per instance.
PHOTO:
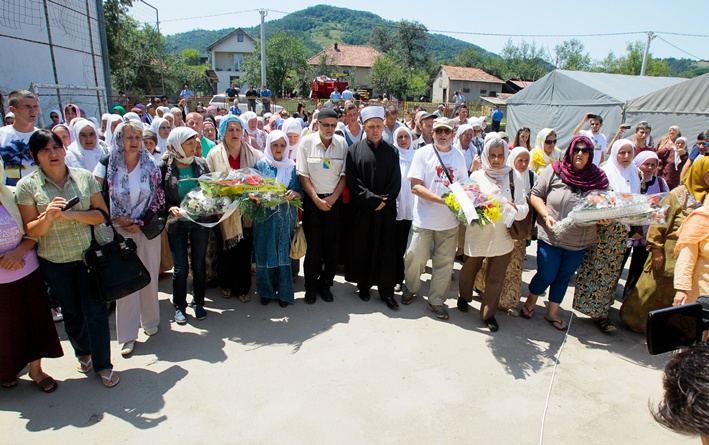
(351, 372)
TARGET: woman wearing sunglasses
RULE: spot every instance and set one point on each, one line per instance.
(545, 150)
(559, 188)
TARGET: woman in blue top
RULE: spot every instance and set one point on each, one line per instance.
(272, 236)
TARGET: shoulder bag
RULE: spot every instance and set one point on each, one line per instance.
(115, 270)
(298, 244)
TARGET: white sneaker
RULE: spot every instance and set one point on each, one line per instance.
(151, 331)
(57, 315)
(127, 348)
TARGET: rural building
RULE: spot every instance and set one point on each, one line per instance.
(226, 58)
(355, 61)
(474, 82)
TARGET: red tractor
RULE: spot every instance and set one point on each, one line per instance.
(322, 86)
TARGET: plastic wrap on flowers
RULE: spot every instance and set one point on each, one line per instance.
(626, 208)
(482, 208)
(247, 189)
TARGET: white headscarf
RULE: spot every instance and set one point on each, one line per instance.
(108, 136)
(130, 116)
(678, 159)
(163, 110)
(177, 137)
(292, 126)
(155, 126)
(59, 113)
(284, 167)
(624, 180)
(495, 174)
(82, 157)
(456, 141)
(514, 154)
(405, 154)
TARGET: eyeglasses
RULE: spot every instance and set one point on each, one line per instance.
(443, 131)
(324, 125)
(584, 150)
(550, 141)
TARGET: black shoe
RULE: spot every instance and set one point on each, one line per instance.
(326, 295)
(391, 302)
(310, 297)
(462, 305)
(265, 301)
(492, 324)
(282, 303)
(364, 294)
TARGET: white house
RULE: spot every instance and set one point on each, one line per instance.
(227, 58)
(474, 82)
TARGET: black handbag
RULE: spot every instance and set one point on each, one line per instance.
(115, 270)
(520, 229)
(154, 222)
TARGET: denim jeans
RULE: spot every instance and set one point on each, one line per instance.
(85, 320)
(555, 266)
(197, 237)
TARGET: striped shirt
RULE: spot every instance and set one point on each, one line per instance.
(65, 241)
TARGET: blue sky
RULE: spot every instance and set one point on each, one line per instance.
(511, 17)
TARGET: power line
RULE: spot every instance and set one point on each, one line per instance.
(211, 15)
(679, 49)
(536, 35)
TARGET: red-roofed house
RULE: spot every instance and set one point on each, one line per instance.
(474, 82)
(354, 60)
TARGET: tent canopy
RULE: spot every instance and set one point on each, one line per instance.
(560, 99)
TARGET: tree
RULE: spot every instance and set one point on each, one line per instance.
(570, 55)
(381, 39)
(411, 44)
(389, 76)
(285, 61)
(632, 62)
(191, 56)
(525, 61)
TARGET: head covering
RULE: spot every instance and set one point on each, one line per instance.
(130, 116)
(694, 178)
(108, 136)
(119, 185)
(58, 113)
(155, 126)
(139, 106)
(170, 115)
(483, 122)
(405, 154)
(223, 124)
(284, 167)
(694, 229)
(174, 151)
(493, 173)
(512, 158)
(462, 129)
(10, 115)
(621, 179)
(105, 117)
(76, 107)
(677, 157)
(326, 113)
(66, 127)
(7, 199)
(503, 135)
(443, 122)
(77, 129)
(371, 112)
(292, 125)
(164, 110)
(643, 156)
(539, 156)
(590, 178)
(121, 111)
(93, 121)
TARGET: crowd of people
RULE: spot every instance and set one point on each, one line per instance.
(371, 186)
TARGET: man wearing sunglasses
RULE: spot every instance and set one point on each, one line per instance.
(433, 221)
(321, 168)
(600, 143)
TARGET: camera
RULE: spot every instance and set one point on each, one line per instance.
(676, 327)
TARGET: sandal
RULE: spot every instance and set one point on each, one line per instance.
(226, 293)
(108, 380)
(47, 384)
(9, 384)
(605, 325)
(526, 313)
(245, 298)
(558, 324)
(85, 367)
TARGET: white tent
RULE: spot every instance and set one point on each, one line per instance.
(685, 104)
(560, 99)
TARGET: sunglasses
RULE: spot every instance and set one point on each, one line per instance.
(443, 131)
(584, 150)
(324, 125)
(550, 141)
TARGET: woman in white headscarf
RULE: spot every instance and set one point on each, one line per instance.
(292, 128)
(272, 236)
(26, 326)
(170, 118)
(404, 143)
(463, 142)
(600, 270)
(86, 150)
(259, 136)
(492, 241)
(162, 128)
(113, 121)
(509, 297)
(130, 116)
(180, 169)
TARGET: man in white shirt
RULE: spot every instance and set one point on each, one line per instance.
(600, 143)
(321, 168)
(14, 139)
(433, 221)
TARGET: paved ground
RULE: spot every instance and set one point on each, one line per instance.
(351, 372)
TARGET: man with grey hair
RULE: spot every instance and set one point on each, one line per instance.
(14, 139)
(391, 123)
(196, 122)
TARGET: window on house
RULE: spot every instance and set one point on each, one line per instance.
(238, 61)
(239, 37)
(483, 92)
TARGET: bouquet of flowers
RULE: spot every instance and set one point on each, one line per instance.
(627, 208)
(245, 189)
(488, 207)
(196, 202)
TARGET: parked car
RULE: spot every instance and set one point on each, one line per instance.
(221, 100)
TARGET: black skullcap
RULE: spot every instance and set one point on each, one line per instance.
(327, 113)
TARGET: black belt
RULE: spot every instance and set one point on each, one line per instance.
(325, 195)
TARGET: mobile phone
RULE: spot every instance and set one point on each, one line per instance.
(625, 126)
(72, 202)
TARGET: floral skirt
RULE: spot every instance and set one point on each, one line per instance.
(512, 285)
(598, 274)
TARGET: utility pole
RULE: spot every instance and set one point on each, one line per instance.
(650, 35)
(264, 13)
(162, 58)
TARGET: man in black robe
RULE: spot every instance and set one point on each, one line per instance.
(374, 180)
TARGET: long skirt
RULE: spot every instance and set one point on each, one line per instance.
(26, 327)
(598, 274)
(512, 285)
